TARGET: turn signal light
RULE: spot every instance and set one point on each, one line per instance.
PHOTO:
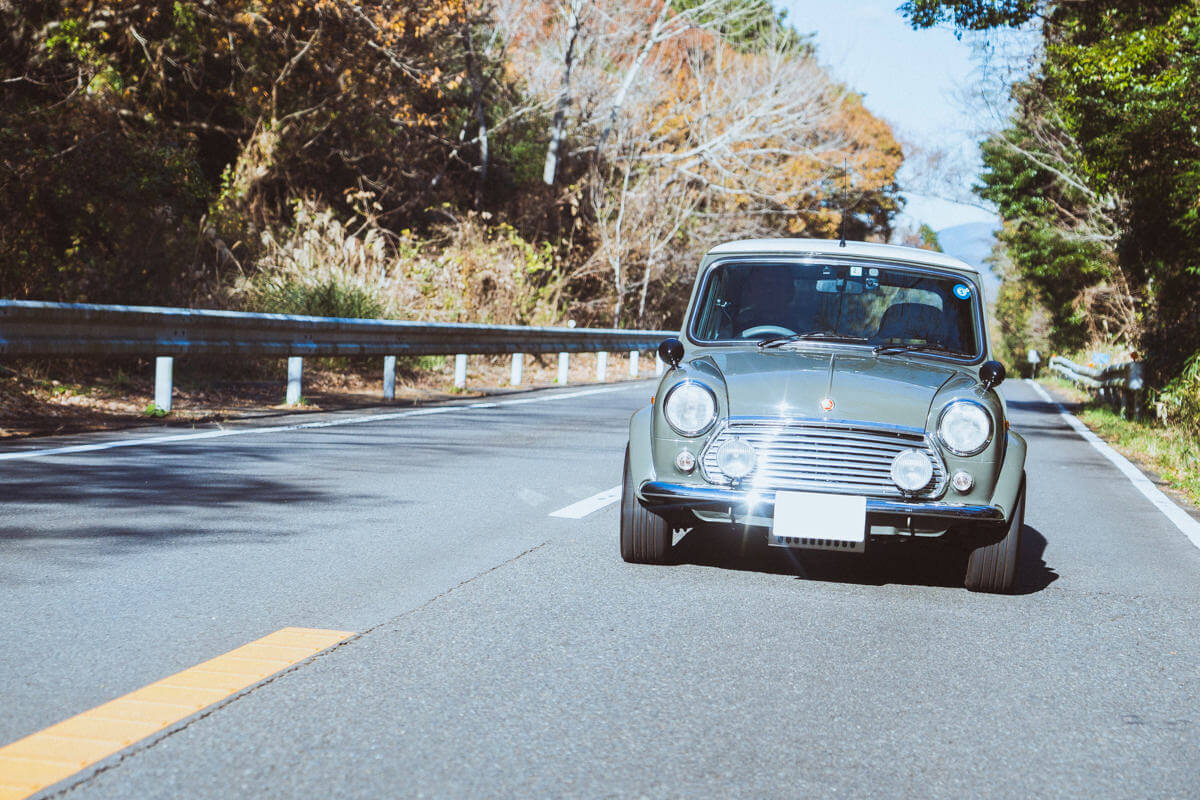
(685, 461)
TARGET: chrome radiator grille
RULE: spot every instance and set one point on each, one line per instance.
(820, 456)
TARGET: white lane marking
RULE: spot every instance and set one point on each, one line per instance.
(588, 505)
(1182, 520)
(333, 423)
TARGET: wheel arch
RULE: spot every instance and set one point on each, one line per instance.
(641, 442)
(1012, 474)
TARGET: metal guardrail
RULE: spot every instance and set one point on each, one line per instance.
(1120, 385)
(29, 328)
(32, 328)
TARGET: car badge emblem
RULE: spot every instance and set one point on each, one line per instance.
(826, 404)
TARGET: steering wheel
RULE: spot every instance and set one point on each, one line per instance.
(759, 330)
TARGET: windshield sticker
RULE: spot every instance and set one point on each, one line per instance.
(962, 291)
(855, 272)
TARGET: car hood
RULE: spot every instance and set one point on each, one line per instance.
(884, 390)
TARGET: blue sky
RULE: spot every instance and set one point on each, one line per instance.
(910, 78)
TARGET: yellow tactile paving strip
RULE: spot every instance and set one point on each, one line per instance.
(43, 759)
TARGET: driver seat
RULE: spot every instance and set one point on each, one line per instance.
(907, 321)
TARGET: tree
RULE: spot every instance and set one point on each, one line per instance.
(202, 121)
(1097, 175)
(971, 15)
(573, 14)
(746, 140)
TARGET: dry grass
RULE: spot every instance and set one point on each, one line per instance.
(470, 271)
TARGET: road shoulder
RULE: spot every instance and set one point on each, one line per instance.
(1138, 470)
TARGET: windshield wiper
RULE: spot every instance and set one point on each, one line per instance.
(829, 336)
(932, 347)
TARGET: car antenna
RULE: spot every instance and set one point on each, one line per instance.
(845, 201)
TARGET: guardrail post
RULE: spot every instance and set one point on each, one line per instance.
(164, 367)
(518, 365)
(389, 377)
(295, 371)
(601, 366)
(460, 371)
(1135, 386)
(633, 363)
(564, 364)
(659, 366)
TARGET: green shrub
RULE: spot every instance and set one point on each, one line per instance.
(1179, 400)
(326, 298)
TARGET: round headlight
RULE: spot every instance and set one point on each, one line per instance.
(965, 428)
(911, 470)
(690, 408)
(736, 458)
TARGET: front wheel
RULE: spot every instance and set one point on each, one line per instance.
(993, 567)
(645, 536)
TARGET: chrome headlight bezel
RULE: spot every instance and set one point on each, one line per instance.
(965, 404)
(689, 432)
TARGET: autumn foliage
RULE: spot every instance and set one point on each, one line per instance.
(182, 153)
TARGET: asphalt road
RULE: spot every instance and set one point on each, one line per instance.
(506, 652)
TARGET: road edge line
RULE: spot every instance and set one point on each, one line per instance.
(176, 438)
(1188, 526)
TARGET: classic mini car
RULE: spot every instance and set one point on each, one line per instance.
(836, 396)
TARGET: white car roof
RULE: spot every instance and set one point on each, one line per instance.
(832, 247)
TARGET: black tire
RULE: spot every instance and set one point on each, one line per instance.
(645, 536)
(993, 567)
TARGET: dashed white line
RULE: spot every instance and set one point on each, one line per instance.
(1182, 520)
(332, 423)
(588, 505)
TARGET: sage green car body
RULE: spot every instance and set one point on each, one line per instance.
(906, 390)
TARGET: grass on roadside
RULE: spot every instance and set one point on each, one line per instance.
(1170, 452)
(1166, 450)
(1064, 387)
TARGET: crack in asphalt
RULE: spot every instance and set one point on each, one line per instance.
(147, 744)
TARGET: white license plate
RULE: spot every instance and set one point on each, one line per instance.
(819, 521)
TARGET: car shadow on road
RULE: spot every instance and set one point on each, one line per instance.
(914, 563)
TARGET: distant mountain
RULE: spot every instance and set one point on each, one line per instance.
(972, 242)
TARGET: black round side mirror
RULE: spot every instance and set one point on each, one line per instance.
(992, 374)
(671, 351)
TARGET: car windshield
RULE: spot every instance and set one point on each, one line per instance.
(893, 309)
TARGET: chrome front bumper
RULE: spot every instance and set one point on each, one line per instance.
(664, 498)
